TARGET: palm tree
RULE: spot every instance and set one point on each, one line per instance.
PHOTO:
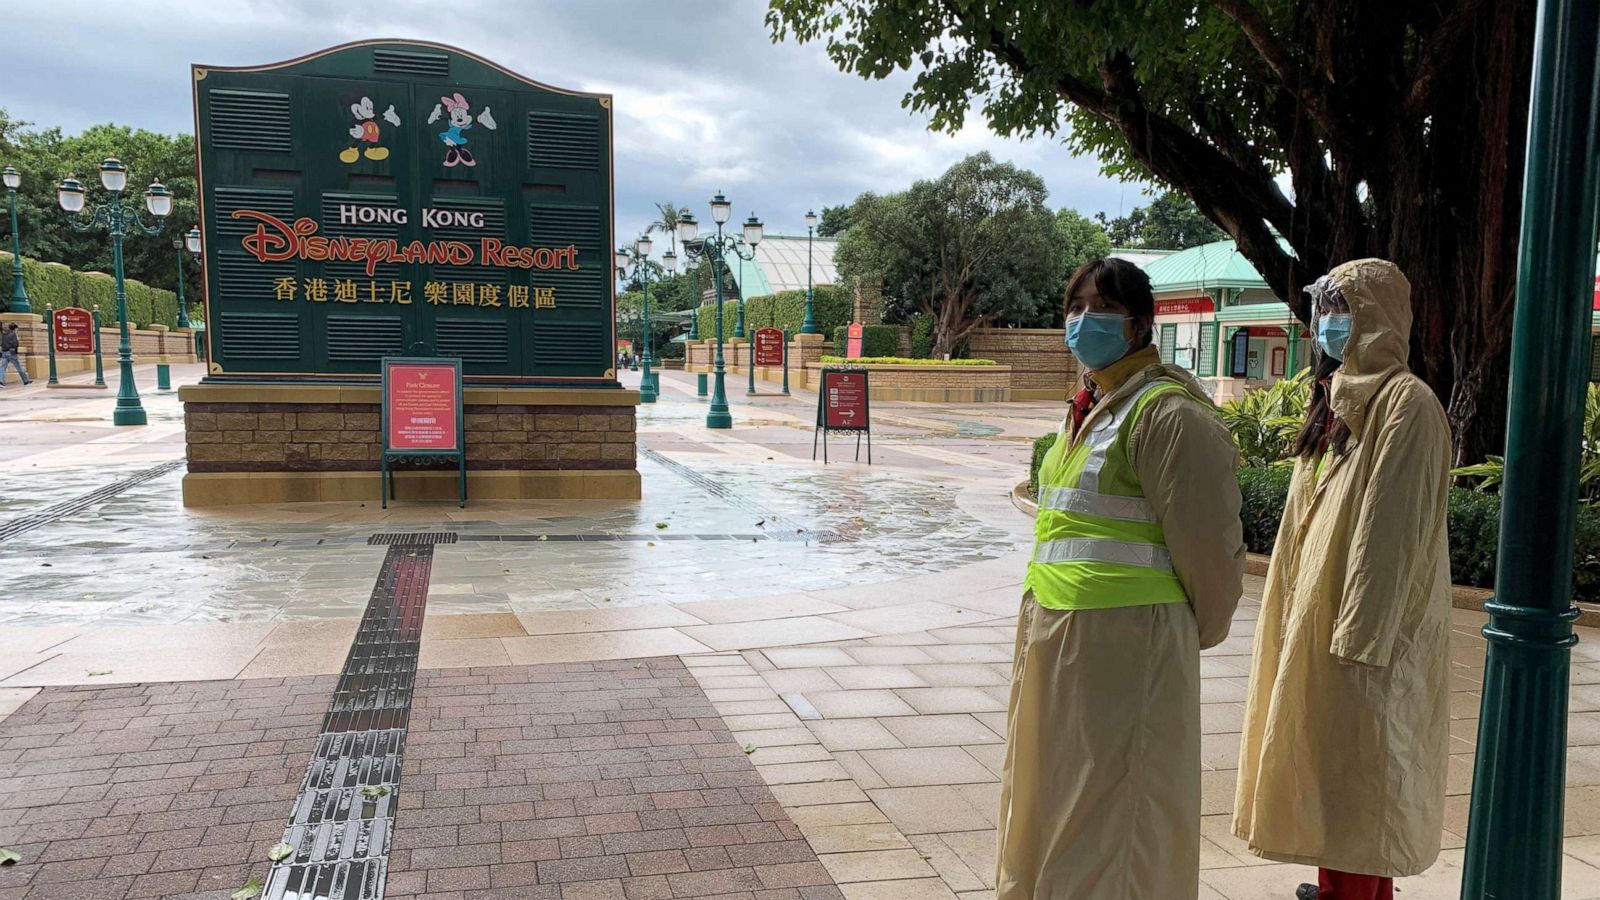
(667, 223)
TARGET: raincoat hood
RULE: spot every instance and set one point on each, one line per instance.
(1380, 335)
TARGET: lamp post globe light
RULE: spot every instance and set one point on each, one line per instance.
(809, 326)
(191, 242)
(120, 220)
(19, 290)
(717, 248)
(637, 261)
(752, 226)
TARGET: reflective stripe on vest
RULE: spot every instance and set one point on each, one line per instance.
(1099, 543)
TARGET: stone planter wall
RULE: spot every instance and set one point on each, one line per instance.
(934, 383)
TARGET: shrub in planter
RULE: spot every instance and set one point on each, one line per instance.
(921, 335)
(1040, 448)
(1263, 493)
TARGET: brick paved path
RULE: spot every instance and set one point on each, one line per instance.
(593, 780)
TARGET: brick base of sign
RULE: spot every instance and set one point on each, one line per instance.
(281, 444)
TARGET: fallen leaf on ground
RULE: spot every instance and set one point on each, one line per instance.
(279, 851)
(250, 891)
(544, 537)
(9, 857)
(661, 525)
(649, 543)
(749, 749)
(93, 672)
(374, 791)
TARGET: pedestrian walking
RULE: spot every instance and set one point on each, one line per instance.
(10, 349)
(1346, 735)
(1137, 564)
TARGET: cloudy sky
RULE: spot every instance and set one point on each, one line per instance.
(705, 101)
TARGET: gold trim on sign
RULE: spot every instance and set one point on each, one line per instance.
(199, 74)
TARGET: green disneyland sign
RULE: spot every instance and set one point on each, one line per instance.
(397, 198)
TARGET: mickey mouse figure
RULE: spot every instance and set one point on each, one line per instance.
(366, 131)
(456, 152)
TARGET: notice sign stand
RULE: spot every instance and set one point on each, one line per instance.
(422, 417)
(843, 406)
(73, 332)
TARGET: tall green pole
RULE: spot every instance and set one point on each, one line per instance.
(129, 410)
(647, 388)
(19, 290)
(738, 326)
(694, 320)
(718, 415)
(50, 341)
(183, 308)
(1514, 828)
(99, 358)
(809, 326)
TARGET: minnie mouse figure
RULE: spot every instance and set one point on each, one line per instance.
(456, 152)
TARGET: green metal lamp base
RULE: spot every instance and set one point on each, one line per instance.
(129, 415)
(716, 419)
(647, 394)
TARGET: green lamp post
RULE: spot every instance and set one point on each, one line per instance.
(694, 307)
(191, 242)
(809, 326)
(19, 290)
(717, 248)
(1514, 827)
(119, 220)
(637, 261)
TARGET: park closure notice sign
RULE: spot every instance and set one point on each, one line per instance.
(843, 405)
(389, 198)
(73, 330)
(422, 415)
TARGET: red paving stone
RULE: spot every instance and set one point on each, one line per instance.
(579, 780)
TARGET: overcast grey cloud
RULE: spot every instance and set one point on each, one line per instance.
(704, 100)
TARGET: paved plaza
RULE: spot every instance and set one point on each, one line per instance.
(768, 679)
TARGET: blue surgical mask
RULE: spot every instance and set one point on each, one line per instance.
(1333, 331)
(1097, 339)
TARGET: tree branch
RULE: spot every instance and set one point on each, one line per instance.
(1318, 101)
(1447, 38)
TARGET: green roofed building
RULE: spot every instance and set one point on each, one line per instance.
(1216, 317)
(780, 265)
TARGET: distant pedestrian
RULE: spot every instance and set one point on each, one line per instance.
(1138, 563)
(10, 347)
(1347, 728)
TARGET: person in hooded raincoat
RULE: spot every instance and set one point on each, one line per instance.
(1138, 563)
(1346, 736)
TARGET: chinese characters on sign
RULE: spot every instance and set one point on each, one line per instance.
(421, 401)
(434, 293)
(73, 329)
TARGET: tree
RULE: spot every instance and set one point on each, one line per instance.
(1170, 222)
(44, 157)
(835, 219)
(667, 223)
(1085, 240)
(1400, 127)
(973, 247)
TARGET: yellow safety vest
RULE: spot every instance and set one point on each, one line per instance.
(1097, 541)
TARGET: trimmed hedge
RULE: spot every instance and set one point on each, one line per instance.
(1474, 527)
(921, 335)
(881, 341)
(55, 285)
(785, 309)
(905, 361)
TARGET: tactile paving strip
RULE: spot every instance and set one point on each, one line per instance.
(342, 822)
(82, 502)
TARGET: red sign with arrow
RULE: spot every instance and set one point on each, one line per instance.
(844, 399)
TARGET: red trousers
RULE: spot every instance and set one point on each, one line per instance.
(1334, 885)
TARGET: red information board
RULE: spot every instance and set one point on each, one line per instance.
(853, 340)
(423, 404)
(73, 329)
(844, 400)
(769, 346)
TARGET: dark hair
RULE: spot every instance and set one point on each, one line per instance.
(1322, 429)
(1119, 280)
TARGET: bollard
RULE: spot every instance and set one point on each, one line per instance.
(50, 341)
(700, 385)
(163, 377)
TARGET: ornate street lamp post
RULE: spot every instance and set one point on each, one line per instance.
(119, 220)
(809, 326)
(638, 261)
(717, 248)
(694, 307)
(19, 291)
(191, 242)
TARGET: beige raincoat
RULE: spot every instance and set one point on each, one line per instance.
(1346, 734)
(1100, 796)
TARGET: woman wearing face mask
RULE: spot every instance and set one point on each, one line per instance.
(1346, 735)
(1137, 564)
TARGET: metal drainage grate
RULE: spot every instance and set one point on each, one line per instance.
(412, 538)
(82, 502)
(342, 822)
